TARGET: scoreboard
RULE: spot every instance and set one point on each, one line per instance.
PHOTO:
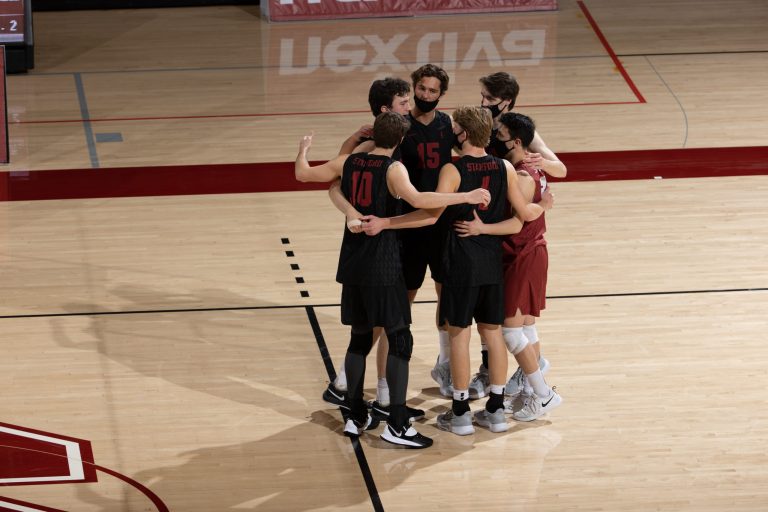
(12, 21)
(16, 35)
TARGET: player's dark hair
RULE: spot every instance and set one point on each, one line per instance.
(520, 127)
(382, 93)
(433, 71)
(502, 85)
(389, 129)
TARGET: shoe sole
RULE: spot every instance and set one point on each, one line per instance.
(493, 427)
(459, 431)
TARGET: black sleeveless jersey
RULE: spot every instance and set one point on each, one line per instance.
(476, 260)
(425, 150)
(369, 260)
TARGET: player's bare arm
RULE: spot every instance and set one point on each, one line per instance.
(401, 186)
(328, 171)
(354, 222)
(541, 157)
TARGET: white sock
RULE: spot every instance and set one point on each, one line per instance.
(497, 389)
(382, 392)
(536, 380)
(341, 380)
(461, 394)
(445, 347)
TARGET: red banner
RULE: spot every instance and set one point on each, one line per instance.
(293, 10)
(3, 112)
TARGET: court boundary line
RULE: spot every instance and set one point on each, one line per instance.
(290, 114)
(365, 469)
(336, 305)
(611, 53)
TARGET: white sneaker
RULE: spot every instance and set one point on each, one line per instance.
(535, 406)
(480, 384)
(441, 374)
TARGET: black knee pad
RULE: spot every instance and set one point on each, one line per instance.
(400, 343)
(360, 342)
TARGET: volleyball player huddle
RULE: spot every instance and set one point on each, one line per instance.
(477, 223)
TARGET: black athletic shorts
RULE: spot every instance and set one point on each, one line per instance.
(375, 306)
(421, 247)
(460, 304)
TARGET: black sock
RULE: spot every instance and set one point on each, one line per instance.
(354, 366)
(484, 353)
(495, 402)
(459, 407)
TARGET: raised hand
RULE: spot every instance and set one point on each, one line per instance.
(305, 143)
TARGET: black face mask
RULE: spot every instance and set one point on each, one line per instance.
(456, 143)
(425, 106)
(495, 110)
(499, 148)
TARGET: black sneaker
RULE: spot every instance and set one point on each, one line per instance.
(382, 411)
(334, 396)
(405, 436)
(355, 428)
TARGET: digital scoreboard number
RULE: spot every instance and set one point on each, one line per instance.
(12, 21)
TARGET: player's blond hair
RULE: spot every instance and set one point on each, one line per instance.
(477, 122)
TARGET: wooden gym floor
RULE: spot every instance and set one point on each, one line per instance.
(173, 348)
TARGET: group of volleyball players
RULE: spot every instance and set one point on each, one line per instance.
(477, 222)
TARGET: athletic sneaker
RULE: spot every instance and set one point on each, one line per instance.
(459, 425)
(536, 407)
(518, 383)
(495, 421)
(441, 374)
(382, 411)
(480, 384)
(405, 436)
(335, 396)
(355, 428)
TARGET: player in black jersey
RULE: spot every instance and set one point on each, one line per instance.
(471, 273)
(425, 149)
(498, 93)
(370, 271)
(472, 268)
(385, 95)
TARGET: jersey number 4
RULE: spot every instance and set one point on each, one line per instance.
(486, 184)
(361, 188)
